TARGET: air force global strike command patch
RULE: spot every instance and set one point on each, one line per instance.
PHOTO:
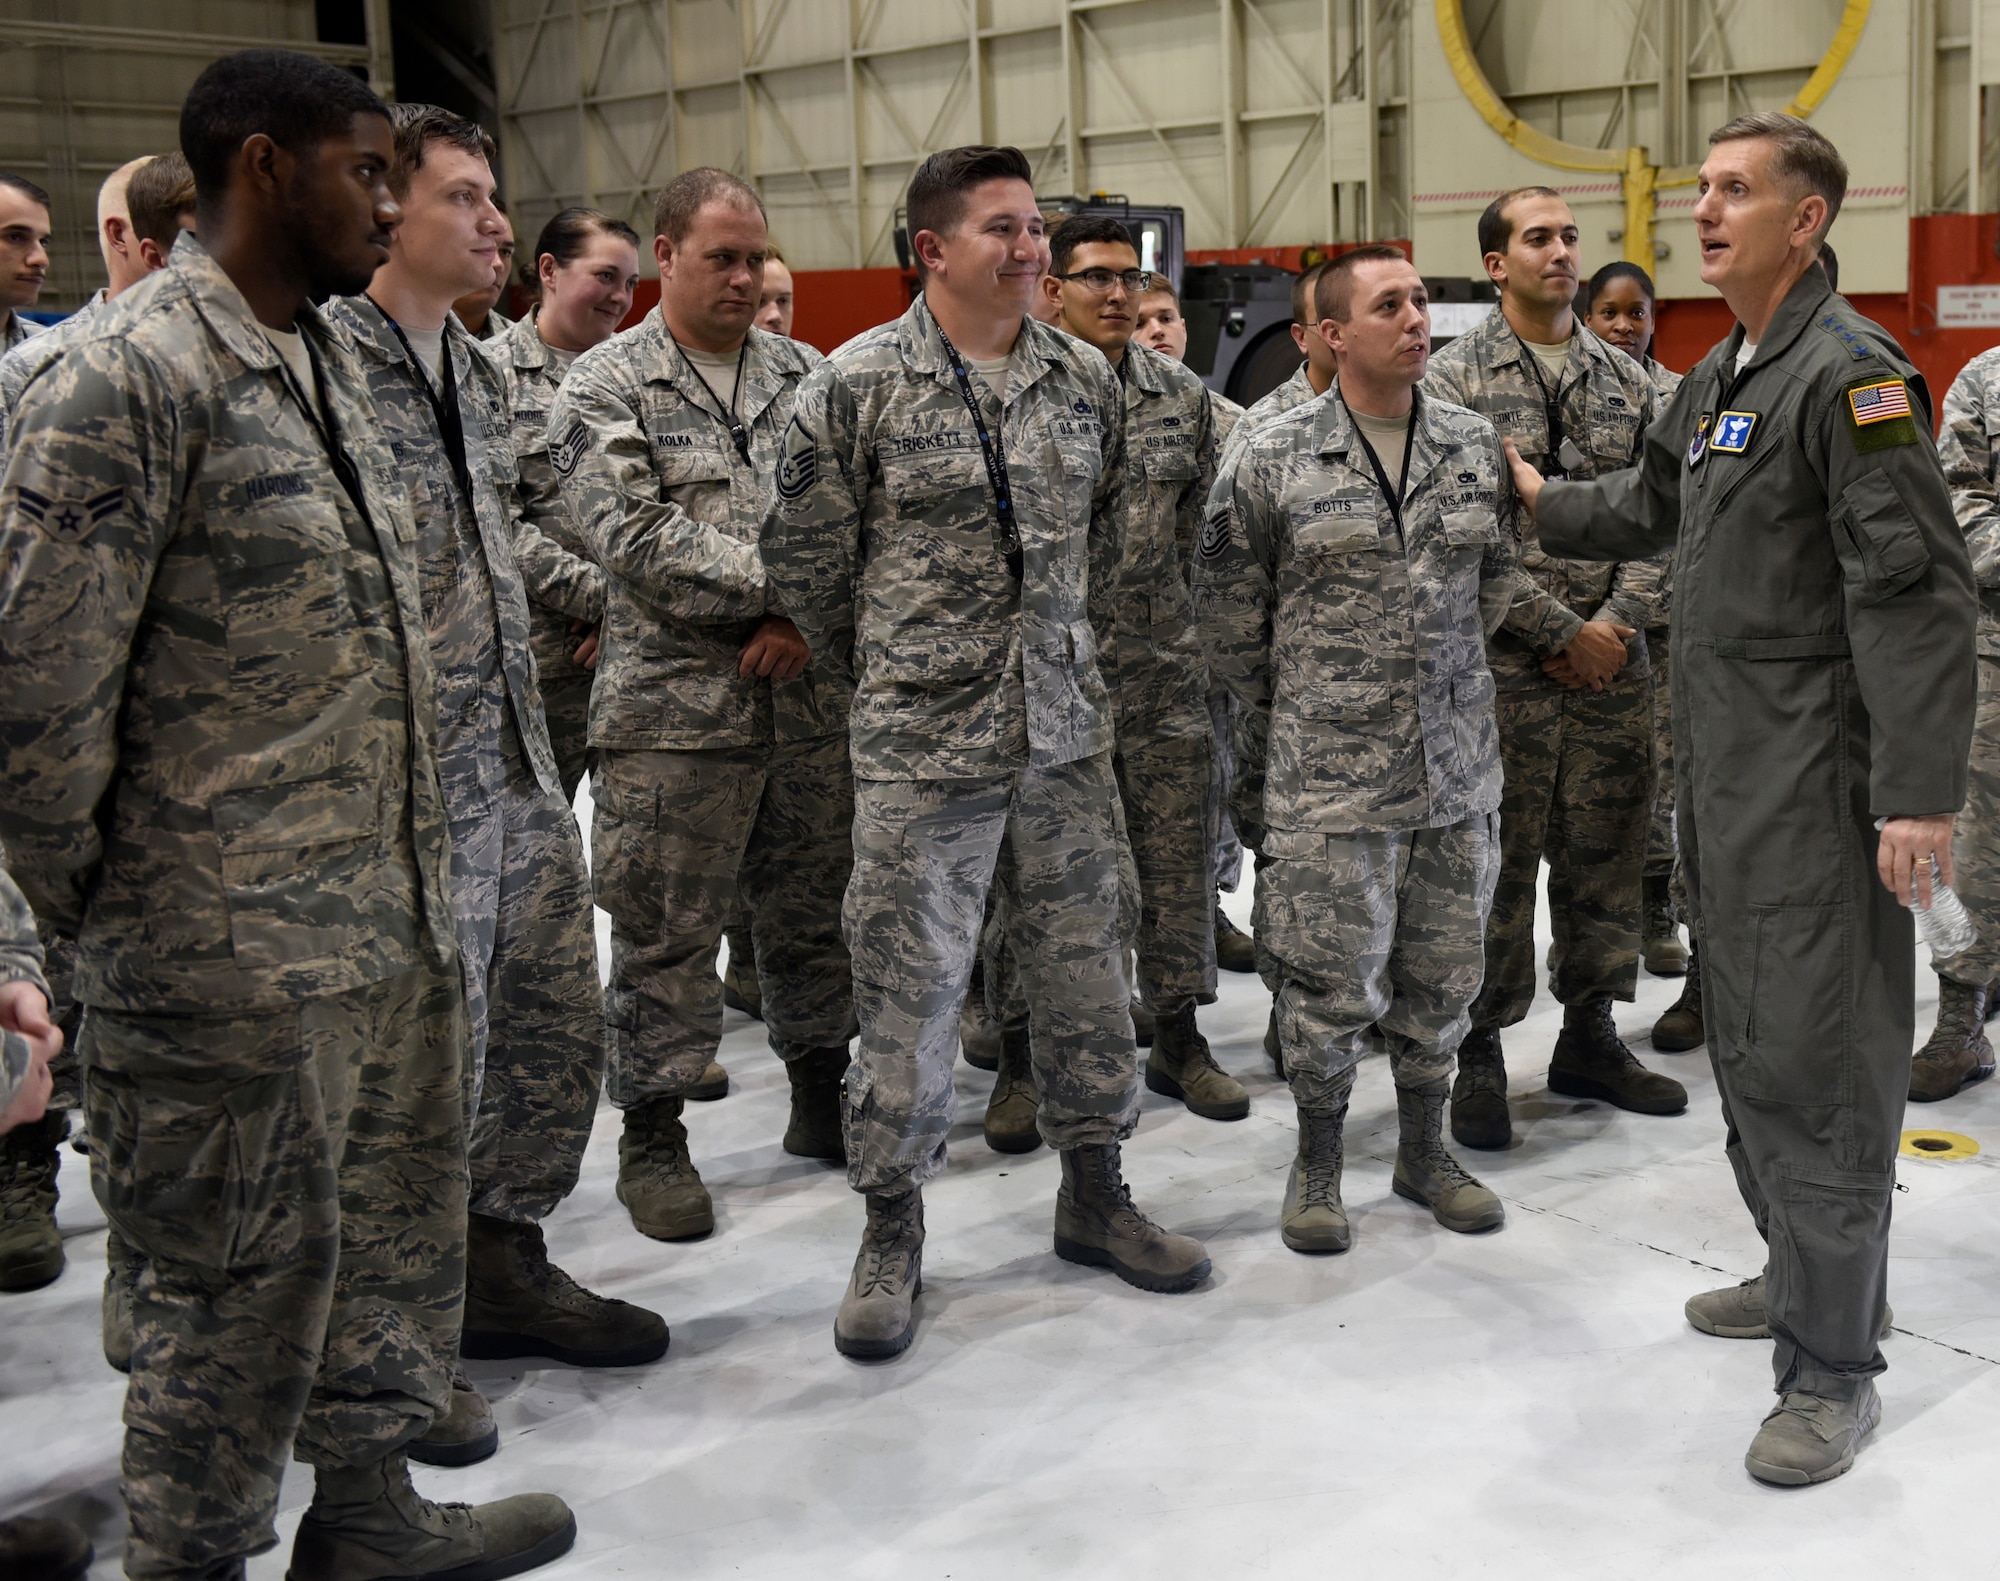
(69, 521)
(798, 463)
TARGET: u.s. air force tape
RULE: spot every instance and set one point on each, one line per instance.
(798, 465)
(1215, 534)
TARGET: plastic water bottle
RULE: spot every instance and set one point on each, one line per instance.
(1944, 925)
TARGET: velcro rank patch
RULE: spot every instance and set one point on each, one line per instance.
(1879, 415)
(69, 520)
(1215, 535)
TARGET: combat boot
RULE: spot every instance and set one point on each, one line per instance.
(978, 1032)
(1592, 1061)
(366, 1523)
(31, 1251)
(1662, 950)
(740, 988)
(1010, 1112)
(814, 1129)
(1479, 1116)
(877, 1316)
(1097, 1224)
(1235, 950)
(1426, 1173)
(1958, 1053)
(1313, 1219)
(1737, 1312)
(518, 1303)
(712, 1084)
(33, 1548)
(1274, 1051)
(657, 1180)
(1680, 1025)
(464, 1435)
(1810, 1438)
(1181, 1066)
(114, 1310)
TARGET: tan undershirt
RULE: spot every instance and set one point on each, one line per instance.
(1387, 436)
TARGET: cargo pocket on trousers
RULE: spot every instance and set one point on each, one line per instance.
(1792, 1047)
(194, 1175)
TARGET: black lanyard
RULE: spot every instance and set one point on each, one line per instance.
(444, 406)
(992, 447)
(343, 469)
(1396, 495)
(1557, 464)
(737, 432)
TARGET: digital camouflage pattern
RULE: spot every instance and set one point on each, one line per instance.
(1578, 763)
(882, 544)
(1824, 618)
(1225, 414)
(1295, 391)
(1971, 459)
(1365, 647)
(292, 1182)
(1606, 402)
(17, 331)
(980, 716)
(1049, 841)
(1158, 678)
(218, 751)
(682, 840)
(1374, 942)
(562, 583)
(520, 890)
(32, 356)
(20, 961)
(659, 497)
(705, 777)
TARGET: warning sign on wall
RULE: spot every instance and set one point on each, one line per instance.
(1968, 306)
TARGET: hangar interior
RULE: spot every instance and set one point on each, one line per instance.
(1528, 1403)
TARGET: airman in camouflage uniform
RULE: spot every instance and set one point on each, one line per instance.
(1958, 1052)
(30, 357)
(1578, 761)
(21, 961)
(1359, 640)
(563, 586)
(520, 890)
(218, 768)
(702, 772)
(1164, 760)
(982, 735)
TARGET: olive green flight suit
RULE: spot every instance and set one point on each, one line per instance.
(1823, 678)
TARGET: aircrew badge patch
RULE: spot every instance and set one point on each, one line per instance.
(1879, 414)
(1733, 431)
(69, 521)
(1698, 446)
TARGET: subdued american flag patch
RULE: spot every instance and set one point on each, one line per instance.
(1879, 403)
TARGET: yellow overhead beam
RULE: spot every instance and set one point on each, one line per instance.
(1639, 178)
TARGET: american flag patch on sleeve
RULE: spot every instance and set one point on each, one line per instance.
(1879, 403)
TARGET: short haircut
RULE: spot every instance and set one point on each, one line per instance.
(160, 192)
(1495, 229)
(421, 126)
(295, 100)
(938, 189)
(1333, 291)
(1622, 269)
(1081, 230)
(24, 186)
(1305, 305)
(1802, 158)
(682, 198)
(570, 231)
(111, 194)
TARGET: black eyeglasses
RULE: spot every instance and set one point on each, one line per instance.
(1099, 280)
